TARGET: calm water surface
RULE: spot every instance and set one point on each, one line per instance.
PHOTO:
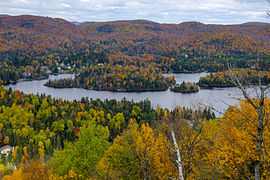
(219, 98)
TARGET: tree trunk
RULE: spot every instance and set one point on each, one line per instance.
(178, 161)
(261, 120)
(259, 141)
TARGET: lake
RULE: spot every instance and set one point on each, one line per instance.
(219, 98)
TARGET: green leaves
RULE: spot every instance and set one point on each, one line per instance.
(84, 154)
(58, 126)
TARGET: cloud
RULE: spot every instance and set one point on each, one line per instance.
(163, 11)
(65, 5)
(84, 0)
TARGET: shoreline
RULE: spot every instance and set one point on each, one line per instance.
(113, 90)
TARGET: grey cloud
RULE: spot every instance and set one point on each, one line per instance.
(163, 11)
(252, 1)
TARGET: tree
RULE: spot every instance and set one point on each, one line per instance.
(32, 170)
(81, 158)
(178, 161)
(184, 129)
(236, 147)
(120, 160)
(262, 115)
(139, 153)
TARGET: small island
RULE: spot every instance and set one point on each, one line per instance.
(184, 87)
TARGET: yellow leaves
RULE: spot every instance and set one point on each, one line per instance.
(156, 152)
(6, 140)
(32, 170)
(236, 147)
(40, 144)
(27, 131)
(25, 152)
(116, 121)
(16, 175)
(82, 106)
(41, 151)
(23, 159)
(111, 85)
(47, 143)
(137, 150)
(3, 170)
(14, 153)
(3, 93)
(58, 126)
(72, 174)
(123, 76)
(109, 116)
(146, 141)
(165, 113)
(131, 81)
(163, 166)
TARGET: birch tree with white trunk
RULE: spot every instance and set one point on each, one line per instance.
(178, 155)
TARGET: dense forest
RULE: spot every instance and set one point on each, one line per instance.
(246, 76)
(31, 47)
(58, 139)
(185, 87)
(41, 127)
(116, 78)
(92, 139)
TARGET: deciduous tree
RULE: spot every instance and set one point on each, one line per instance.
(260, 121)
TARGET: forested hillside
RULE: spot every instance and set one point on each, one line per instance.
(53, 138)
(31, 47)
(58, 139)
(48, 129)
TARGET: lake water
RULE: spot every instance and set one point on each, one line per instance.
(219, 98)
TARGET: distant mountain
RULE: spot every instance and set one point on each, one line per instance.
(30, 44)
(37, 23)
(46, 32)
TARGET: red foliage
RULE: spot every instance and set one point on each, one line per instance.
(76, 131)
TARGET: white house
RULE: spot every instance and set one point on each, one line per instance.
(6, 149)
(100, 64)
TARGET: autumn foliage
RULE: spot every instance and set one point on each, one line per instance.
(93, 139)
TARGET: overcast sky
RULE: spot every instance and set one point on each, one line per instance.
(162, 11)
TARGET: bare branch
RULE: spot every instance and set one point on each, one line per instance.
(262, 115)
(172, 178)
(267, 87)
(266, 118)
(235, 81)
(241, 171)
(225, 115)
(264, 156)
